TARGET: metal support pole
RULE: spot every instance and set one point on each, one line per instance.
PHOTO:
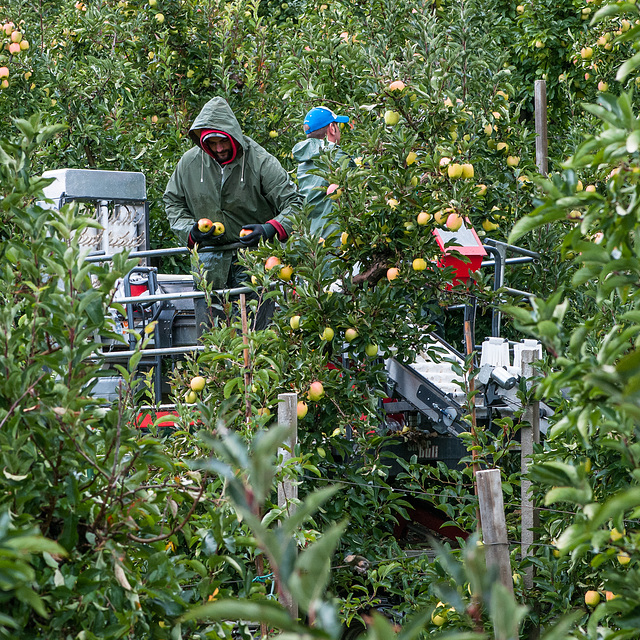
(288, 490)
(494, 526)
(529, 435)
(542, 143)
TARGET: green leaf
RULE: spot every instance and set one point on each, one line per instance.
(628, 67)
(270, 613)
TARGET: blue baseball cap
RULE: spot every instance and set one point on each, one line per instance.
(320, 117)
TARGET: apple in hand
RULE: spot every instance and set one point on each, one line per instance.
(245, 232)
(205, 225)
(218, 228)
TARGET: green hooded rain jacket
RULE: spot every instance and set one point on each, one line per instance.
(253, 188)
(312, 186)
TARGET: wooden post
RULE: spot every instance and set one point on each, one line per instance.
(287, 490)
(542, 142)
(494, 526)
(529, 435)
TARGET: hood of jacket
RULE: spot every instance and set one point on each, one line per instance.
(309, 149)
(216, 114)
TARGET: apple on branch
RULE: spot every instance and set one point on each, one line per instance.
(272, 261)
(316, 391)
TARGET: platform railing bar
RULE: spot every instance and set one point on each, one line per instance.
(179, 295)
(512, 247)
(167, 351)
(172, 251)
(523, 260)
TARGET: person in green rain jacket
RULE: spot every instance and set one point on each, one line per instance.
(227, 177)
(321, 126)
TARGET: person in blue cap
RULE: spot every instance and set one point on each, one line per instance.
(322, 127)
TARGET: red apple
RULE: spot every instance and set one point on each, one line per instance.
(272, 261)
(205, 225)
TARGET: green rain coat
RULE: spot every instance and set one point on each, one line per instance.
(253, 188)
(313, 187)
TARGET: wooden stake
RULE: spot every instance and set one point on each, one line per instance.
(494, 525)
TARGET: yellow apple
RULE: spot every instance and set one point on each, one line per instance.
(327, 334)
(160, 18)
(391, 118)
(586, 53)
(482, 189)
(294, 322)
(350, 334)
(273, 134)
(301, 409)
(419, 264)
(467, 170)
(617, 535)
(286, 273)
(454, 171)
(344, 238)
(513, 161)
(197, 383)
(218, 228)
(392, 273)
(396, 85)
(191, 397)
(423, 218)
(502, 146)
(245, 232)
(316, 391)
(603, 86)
(444, 163)
(591, 598)
(590, 188)
(488, 226)
(371, 350)
(4, 72)
(454, 222)
(204, 225)
(412, 156)
(624, 558)
(24, 45)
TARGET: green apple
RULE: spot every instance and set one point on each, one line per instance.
(371, 350)
(350, 334)
(327, 334)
